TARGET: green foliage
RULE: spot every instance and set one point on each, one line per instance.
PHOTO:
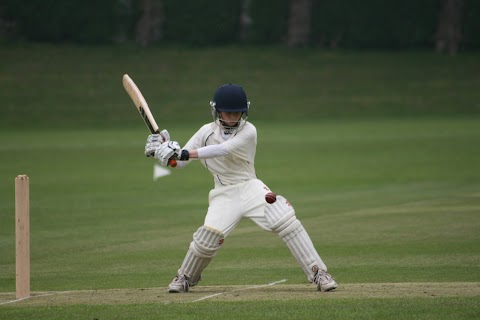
(79, 21)
(375, 23)
(269, 21)
(396, 24)
(471, 31)
(202, 22)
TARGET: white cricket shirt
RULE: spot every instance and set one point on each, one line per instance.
(232, 161)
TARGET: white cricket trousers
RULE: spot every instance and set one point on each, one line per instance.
(229, 204)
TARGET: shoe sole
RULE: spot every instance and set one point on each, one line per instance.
(171, 290)
(328, 289)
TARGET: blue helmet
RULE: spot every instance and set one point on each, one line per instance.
(230, 98)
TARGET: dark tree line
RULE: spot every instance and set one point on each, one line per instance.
(448, 34)
(449, 27)
(440, 24)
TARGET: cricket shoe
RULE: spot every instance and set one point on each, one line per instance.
(179, 284)
(324, 281)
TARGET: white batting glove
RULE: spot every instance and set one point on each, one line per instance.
(168, 150)
(154, 141)
(166, 136)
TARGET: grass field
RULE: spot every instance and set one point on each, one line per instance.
(391, 203)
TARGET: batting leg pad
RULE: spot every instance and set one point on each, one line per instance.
(205, 244)
(281, 217)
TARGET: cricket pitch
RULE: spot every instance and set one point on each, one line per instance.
(274, 291)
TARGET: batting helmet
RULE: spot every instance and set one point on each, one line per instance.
(230, 98)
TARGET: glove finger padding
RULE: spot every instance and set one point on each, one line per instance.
(155, 138)
(149, 150)
(166, 151)
(153, 142)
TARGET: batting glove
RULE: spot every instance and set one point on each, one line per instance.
(168, 150)
(154, 141)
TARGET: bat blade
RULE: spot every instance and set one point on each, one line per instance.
(142, 107)
(140, 103)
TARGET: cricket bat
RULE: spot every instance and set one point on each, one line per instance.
(142, 107)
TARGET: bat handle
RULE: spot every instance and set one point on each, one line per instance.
(172, 162)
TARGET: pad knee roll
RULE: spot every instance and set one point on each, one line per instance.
(281, 217)
(206, 242)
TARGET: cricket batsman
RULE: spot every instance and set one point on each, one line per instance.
(226, 147)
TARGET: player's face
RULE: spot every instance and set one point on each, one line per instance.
(230, 118)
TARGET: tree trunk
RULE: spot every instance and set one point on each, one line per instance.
(149, 26)
(299, 24)
(449, 27)
(245, 20)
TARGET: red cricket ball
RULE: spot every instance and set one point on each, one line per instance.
(270, 197)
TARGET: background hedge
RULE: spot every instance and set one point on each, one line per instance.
(395, 24)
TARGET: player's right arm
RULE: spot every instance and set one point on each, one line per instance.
(192, 145)
(243, 145)
(208, 152)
